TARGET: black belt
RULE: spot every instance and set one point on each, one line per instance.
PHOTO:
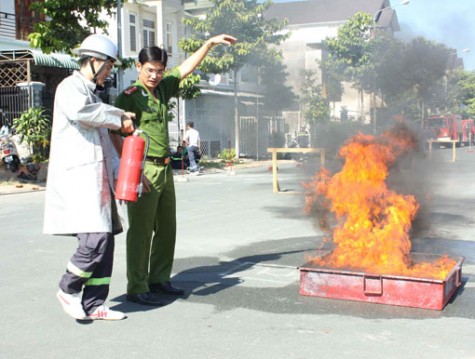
(158, 160)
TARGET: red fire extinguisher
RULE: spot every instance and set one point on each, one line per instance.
(129, 183)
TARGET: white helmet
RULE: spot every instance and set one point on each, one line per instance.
(98, 46)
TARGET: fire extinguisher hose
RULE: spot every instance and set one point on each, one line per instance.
(147, 143)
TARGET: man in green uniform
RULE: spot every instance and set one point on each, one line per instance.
(152, 219)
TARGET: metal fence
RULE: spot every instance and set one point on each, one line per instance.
(248, 136)
(211, 149)
(13, 102)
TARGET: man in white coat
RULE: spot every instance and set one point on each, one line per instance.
(79, 192)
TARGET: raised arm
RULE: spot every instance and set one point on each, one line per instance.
(192, 62)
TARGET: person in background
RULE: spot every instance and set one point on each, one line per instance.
(179, 159)
(79, 192)
(152, 219)
(192, 141)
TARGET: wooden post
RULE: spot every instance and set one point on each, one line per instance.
(274, 151)
(275, 184)
(454, 149)
(454, 152)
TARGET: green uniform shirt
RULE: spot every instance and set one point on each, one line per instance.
(152, 113)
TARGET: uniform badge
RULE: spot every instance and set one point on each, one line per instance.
(130, 90)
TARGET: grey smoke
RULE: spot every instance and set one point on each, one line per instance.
(447, 22)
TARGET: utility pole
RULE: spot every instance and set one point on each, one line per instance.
(119, 45)
(257, 117)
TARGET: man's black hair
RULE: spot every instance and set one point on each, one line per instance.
(153, 53)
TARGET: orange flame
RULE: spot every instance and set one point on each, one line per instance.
(370, 224)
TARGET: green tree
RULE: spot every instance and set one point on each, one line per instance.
(68, 22)
(316, 108)
(243, 19)
(389, 69)
(408, 77)
(454, 91)
(386, 56)
(188, 90)
(34, 127)
(350, 51)
(189, 87)
(386, 81)
(332, 74)
(461, 92)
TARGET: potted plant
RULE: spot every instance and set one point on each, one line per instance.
(34, 127)
(228, 156)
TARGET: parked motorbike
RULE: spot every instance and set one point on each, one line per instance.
(8, 151)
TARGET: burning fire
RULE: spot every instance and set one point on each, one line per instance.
(370, 223)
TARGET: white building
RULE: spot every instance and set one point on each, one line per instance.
(147, 23)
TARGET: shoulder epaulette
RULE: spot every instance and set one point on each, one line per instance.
(130, 90)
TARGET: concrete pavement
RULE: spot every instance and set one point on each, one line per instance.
(238, 251)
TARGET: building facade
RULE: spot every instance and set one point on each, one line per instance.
(160, 23)
(27, 76)
(310, 22)
(142, 23)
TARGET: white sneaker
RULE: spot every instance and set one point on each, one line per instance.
(71, 304)
(106, 313)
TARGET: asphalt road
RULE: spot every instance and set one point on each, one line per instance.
(238, 251)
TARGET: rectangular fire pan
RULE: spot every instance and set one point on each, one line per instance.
(337, 283)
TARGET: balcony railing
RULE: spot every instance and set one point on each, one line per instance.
(8, 26)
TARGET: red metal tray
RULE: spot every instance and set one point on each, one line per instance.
(337, 283)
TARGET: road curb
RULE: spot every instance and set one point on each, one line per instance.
(21, 188)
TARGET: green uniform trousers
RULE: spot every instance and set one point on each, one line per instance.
(152, 231)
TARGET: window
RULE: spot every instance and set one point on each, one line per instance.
(169, 35)
(148, 32)
(132, 33)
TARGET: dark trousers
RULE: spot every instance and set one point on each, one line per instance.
(90, 267)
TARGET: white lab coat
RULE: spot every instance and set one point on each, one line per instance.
(80, 171)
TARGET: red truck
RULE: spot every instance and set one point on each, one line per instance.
(447, 128)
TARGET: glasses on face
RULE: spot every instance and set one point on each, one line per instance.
(151, 72)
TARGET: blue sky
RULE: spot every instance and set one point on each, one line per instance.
(451, 22)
